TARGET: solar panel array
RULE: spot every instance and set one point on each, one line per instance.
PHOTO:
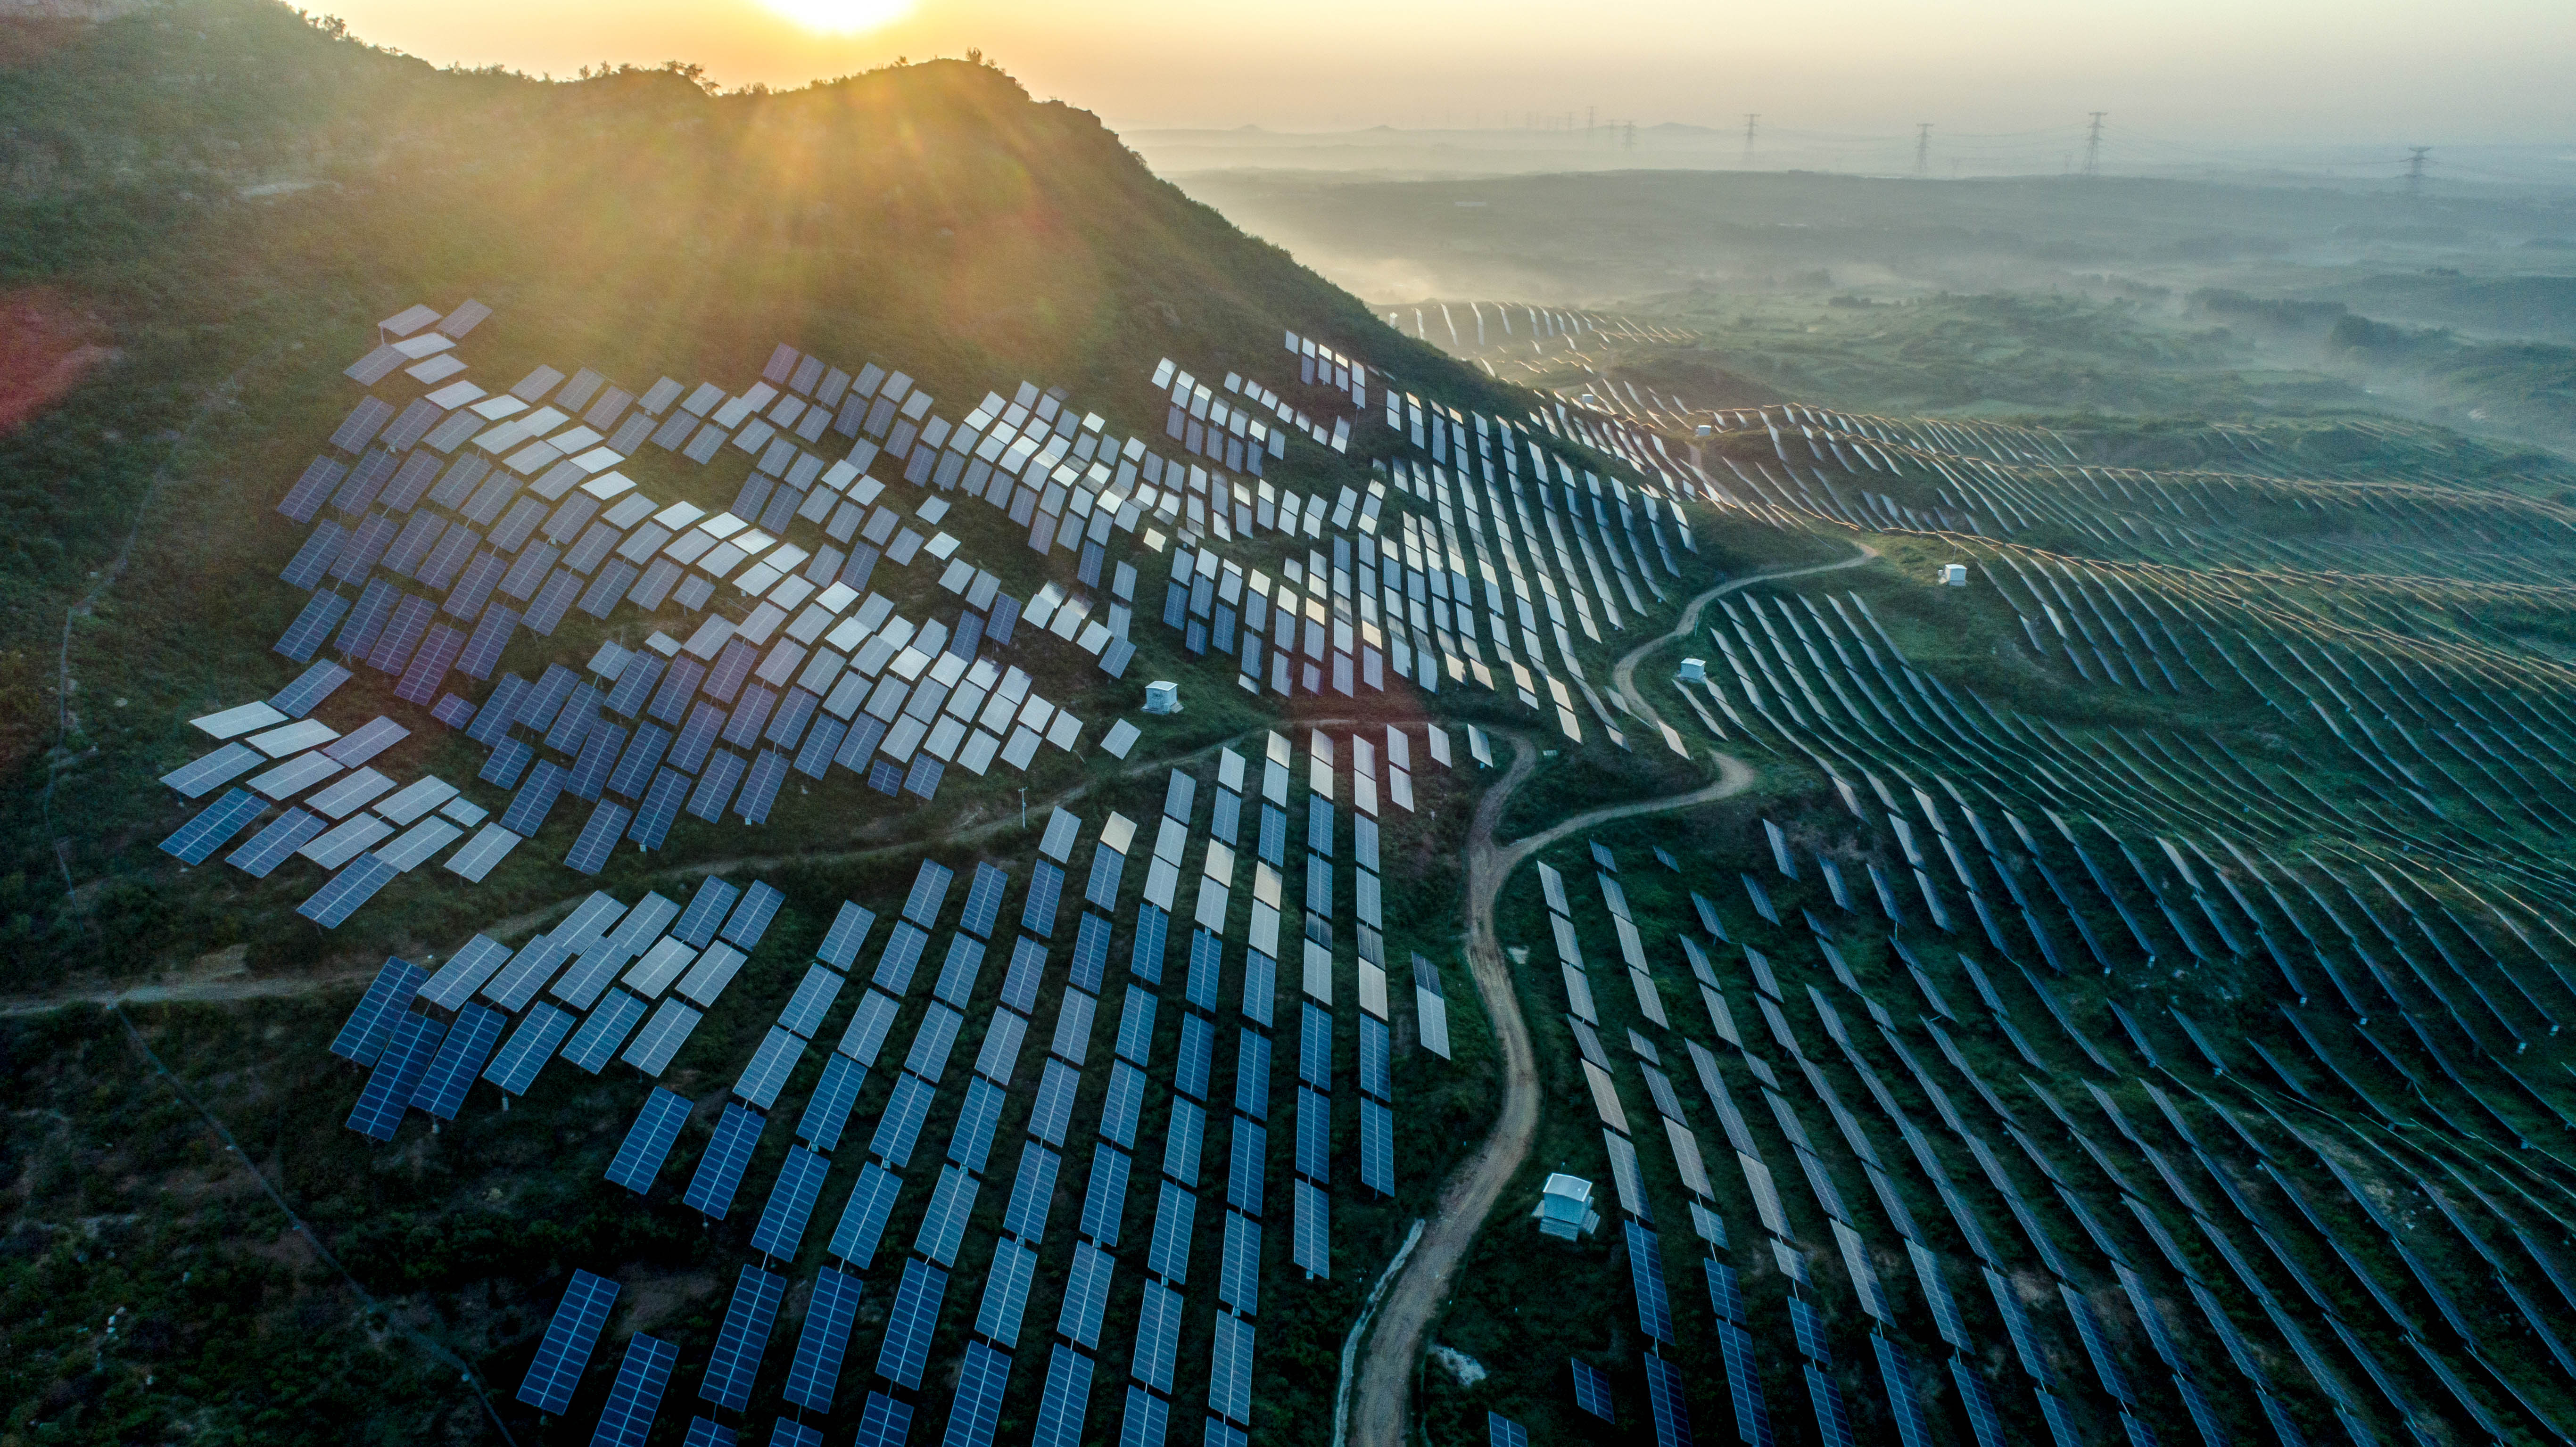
(570, 1336)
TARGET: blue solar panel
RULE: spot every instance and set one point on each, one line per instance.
(770, 1066)
(314, 623)
(885, 1422)
(863, 1218)
(529, 1047)
(370, 1025)
(902, 955)
(1104, 1202)
(333, 903)
(598, 838)
(1032, 1192)
(958, 973)
(1126, 1098)
(597, 764)
(1046, 884)
(1145, 960)
(791, 1204)
(865, 1035)
(1670, 1406)
(1501, 1431)
(1145, 1420)
(909, 1328)
(1314, 1135)
(214, 826)
(276, 842)
(1374, 1076)
(981, 1379)
(1158, 1335)
(929, 891)
(1090, 951)
(743, 1337)
(1807, 1327)
(1020, 983)
(388, 1092)
(1182, 1136)
(1101, 890)
(1592, 1390)
(1274, 835)
(1832, 1422)
(972, 1140)
(1066, 1401)
(719, 1172)
(1898, 1377)
(984, 901)
(1252, 1075)
(1238, 1282)
(840, 946)
(827, 1110)
(1198, 1054)
(1230, 1374)
(535, 799)
(1006, 1291)
(637, 1392)
(825, 1338)
(661, 806)
(1053, 1112)
(648, 1141)
(1646, 1276)
(460, 1058)
(943, 1221)
(1169, 1255)
(804, 1011)
(923, 778)
(595, 1043)
(569, 1338)
(1136, 1025)
(1315, 1047)
(703, 1433)
(1207, 968)
(1310, 1243)
(1978, 1402)
(1086, 1295)
(697, 925)
(900, 1127)
(751, 915)
(1377, 1147)
(1243, 1184)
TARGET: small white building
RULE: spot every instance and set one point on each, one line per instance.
(1162, 696)
(1694, 670)
(1954, 575)
(1565, 1208)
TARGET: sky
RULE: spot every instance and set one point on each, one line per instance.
(2185, 71)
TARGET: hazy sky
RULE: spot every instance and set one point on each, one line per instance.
(2378, 71)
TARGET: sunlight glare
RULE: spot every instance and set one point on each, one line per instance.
(839, 17)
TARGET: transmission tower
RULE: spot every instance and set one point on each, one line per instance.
(2415, 164)
(2093, 145)
(1751, 122)
(1588, 128)
(1923, 149)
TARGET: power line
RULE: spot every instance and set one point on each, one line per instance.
(2415, 164)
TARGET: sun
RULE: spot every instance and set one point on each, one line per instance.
(839, 17)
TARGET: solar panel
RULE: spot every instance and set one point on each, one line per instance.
(1979, 1403)
(900, 1126)
(957, 973)
(1230, 1369)
(1091, 950)
(215, 825)
(1221, 1433)
(1158, 1335)
(1032, 1192)
(791, 1204)
(389, 1087)
(598, 838)
(1592, 1390)
(333, 903)
(1120, 1107)
(529, 1047)
(822, 1342)
(1243, 1185)
(1104, 1201)
(1310, 1244)
(1501, 1431)
(984, 901)
(827, 1110)
(1314, 1135)
(1646, 1275)
(902, 955)
(1377, 1147)
(742, 1338)
(1833, 1424)
(1146, 1418)
(751, 916)
(1375, 1078)
(1065, 1401)
(704, 913)
(769, 1068)
(460, 1058)
(972, 1140)
(1808, 1326)
(637, 1392)
(1252, 1075)
(840, 946)
(719, 1172)
(1006, 1291)
(943, 1221)
(1086, 1295)
(1053, 1113)
(648, 1141)
(982, 1377)
(1046, 886)
(362, 1038)
(929, 891)
(908, 1329)
(661, 1038)
(570, 1336)
(1238, 1285)
(1936, 1294)
(1198, 1052)
(1315, 1047)
(1666, 1399)
(595, 1043)
(1911, 1427)
(703, 1433)
(863, 1216)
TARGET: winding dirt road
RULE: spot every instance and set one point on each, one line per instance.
(1396, 1332)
